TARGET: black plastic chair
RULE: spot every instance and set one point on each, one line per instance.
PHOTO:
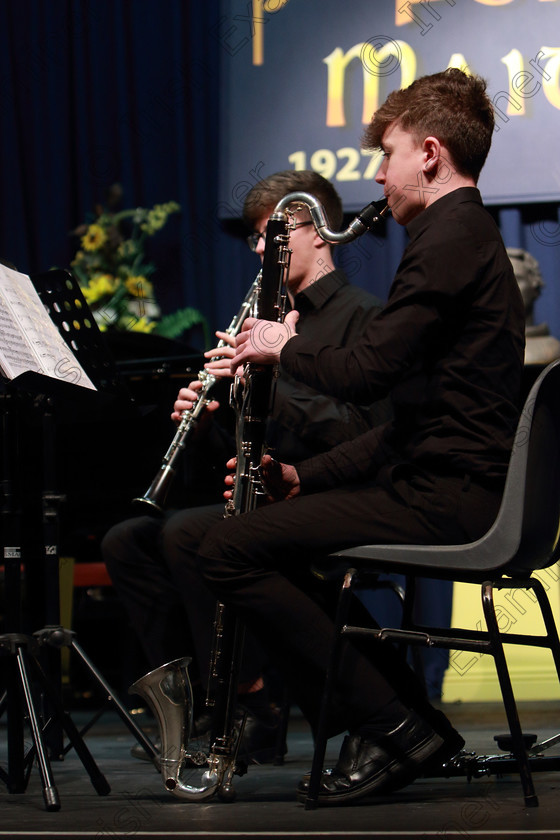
(523, 539)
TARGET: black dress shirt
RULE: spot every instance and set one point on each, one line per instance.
(304, 421)
(448, 347)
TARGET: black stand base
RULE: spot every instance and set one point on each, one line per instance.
(473, 766)
(23, 665)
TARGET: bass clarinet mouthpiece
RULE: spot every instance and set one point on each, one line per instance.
(373, 212)
(365, 220)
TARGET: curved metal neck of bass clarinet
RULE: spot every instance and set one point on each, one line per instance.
(366, 218)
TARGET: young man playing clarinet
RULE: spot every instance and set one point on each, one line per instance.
(151, 561)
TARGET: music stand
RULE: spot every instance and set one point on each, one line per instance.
(65, 304)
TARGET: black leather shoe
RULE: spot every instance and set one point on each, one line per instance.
(435, 765)
(260, 739)
(372, 765)
(259, 744)
(201, 724)
(200, 727)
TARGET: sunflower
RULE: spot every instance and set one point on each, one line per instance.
(139, 286)
(99, 287)
(143, 325)
(94, 238)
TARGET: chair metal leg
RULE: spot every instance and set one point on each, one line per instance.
(409, 622)
(548, 619)
(321, 738)
(497, 650)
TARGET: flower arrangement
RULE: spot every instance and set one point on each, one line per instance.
(114, 274)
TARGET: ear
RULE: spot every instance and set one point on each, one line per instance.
(431, 149)
(318, 242)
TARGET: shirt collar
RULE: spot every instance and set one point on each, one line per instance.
(318, 293)
(441, 208)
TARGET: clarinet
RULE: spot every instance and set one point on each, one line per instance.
(156, 494)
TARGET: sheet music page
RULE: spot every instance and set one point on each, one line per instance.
(29, 340)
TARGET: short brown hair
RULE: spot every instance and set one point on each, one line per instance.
(452, 106)
(265, 195)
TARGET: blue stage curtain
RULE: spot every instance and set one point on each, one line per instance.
(95, 92)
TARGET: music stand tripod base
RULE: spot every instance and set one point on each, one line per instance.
(24, 651)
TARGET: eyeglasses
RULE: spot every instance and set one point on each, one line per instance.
(253, 238)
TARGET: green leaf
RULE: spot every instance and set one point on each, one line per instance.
(172, 326)
(82, 277)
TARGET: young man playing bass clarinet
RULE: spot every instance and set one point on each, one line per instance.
(448, 349)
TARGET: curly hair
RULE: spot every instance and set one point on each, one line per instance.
(452, 106)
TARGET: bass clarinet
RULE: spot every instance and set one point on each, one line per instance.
(156, 494)
(190, 770)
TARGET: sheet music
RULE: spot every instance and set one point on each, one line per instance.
(29, 340)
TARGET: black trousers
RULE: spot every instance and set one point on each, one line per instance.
(259, 563)
(152, 563)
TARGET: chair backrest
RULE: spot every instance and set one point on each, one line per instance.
(534, 477)
(525, 534)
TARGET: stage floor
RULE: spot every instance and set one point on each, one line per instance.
(138, 806)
